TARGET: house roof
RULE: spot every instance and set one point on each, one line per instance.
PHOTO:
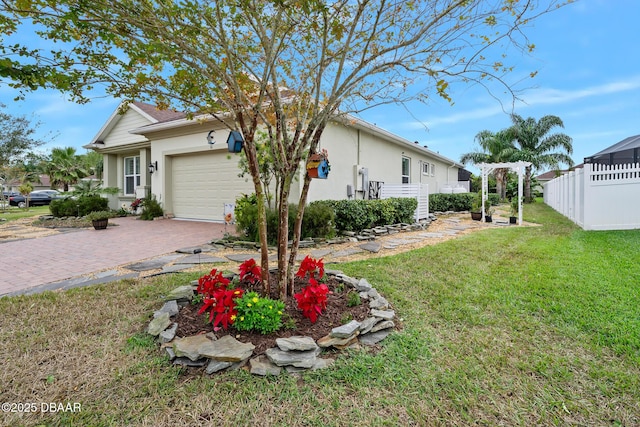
(548, 176)
(148, 111)
(158, 115)
(626, 144)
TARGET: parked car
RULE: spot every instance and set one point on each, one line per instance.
(52, 193)
(35, 199)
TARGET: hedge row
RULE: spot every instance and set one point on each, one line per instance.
(356, 215)
(323, 218)
(81, 206)
(457, 202)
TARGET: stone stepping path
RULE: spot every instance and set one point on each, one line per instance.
(153, 264)
(201, 259)
(188, 257)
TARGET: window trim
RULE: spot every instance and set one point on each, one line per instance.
(425, 168)
(402, 175)
(135, 175)
(433, 169)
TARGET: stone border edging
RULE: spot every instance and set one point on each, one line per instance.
(293, 355)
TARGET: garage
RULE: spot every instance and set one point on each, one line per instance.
(204, 182)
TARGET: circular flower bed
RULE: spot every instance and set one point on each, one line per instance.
(224, 323)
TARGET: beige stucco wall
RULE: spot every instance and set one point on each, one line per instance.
(349, 146)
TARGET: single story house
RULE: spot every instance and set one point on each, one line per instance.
(624, 152)
(147, 150)
(43, 183)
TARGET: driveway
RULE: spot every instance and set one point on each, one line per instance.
(30, 263)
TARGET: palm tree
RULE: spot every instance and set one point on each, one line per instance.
(496, 148)
(535, 144)
(65, 167)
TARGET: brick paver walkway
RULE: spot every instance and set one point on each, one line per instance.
(33, 262)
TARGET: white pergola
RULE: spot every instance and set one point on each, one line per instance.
(487, 168)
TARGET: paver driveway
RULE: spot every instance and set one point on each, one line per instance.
(29, 263)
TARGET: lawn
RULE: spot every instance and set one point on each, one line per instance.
(12, 213)
(508, 326)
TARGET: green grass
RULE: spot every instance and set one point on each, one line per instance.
(12, 213)
(508, 326)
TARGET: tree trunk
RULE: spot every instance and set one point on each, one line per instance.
(297, 231)
(252, 160)
(527, 185)
(501, 187)
(283, 237)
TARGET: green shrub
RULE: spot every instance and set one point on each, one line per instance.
(493, 199)
(99, 215)
(258, 314)
(385, 211)
(88, 204)
(352, 215)
(151, 209)
(355, 215)
(64, 207)
(81, 206)
(246, 215)
(319, 220)
(273, 220)
(451, 202)
(405, 209)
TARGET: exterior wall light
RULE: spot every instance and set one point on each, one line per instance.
(153, 167)
(210, 139)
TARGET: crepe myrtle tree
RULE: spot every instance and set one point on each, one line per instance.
(283, 66)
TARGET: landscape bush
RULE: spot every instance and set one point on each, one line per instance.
(323, 218)
(450, 202)
(151, 209)
(318, 220)
(81, 206)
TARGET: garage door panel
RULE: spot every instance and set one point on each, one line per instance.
(203, 183)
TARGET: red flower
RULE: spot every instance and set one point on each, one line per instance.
(312, 299)
(250, 271)
(311, 266)
(218, 300)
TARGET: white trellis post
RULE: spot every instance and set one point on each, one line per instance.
(487, 168)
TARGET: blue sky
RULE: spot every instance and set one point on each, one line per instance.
(588, 61)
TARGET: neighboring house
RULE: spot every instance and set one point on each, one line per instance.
(164, 153)
(548, 176)
(44, 183)
(624, 152)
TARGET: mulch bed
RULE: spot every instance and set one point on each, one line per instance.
(336, 314)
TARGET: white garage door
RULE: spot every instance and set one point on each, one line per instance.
(203, 183)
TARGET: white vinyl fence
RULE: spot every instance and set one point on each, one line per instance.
(598, 197)
(419, 191)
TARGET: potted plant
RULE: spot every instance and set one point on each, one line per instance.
(99, 219)
(514, 210)
(488, 213)
(476, 207)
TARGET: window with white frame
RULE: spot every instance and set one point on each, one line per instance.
(406, 170)
(433, 169)
(425, 169)
(131, 174)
